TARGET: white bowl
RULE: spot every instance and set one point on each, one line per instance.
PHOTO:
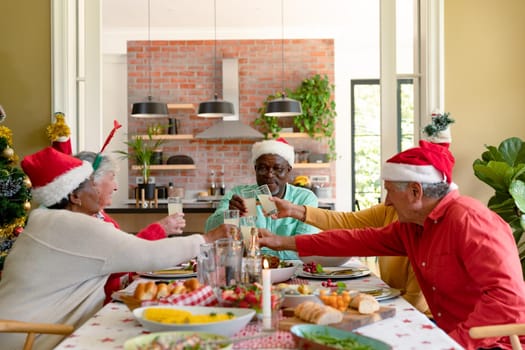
(292, 300)
(282, 274)
(143, 341)
(326, 261)
(226, 328)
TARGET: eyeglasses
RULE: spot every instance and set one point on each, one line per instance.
(265, 170)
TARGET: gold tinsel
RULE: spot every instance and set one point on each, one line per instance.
(8, 134)
(59, 128)
(7, 231)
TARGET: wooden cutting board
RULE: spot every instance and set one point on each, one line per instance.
(352, 318)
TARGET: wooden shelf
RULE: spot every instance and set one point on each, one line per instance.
(168, 167)
(181, 106)
(168, 137)
(296, 135)
(311, 165)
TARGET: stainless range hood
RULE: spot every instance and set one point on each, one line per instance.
(230, 127)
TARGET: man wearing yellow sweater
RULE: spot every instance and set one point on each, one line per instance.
(396, 271)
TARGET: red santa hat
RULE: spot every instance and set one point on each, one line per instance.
(54, 174)
(278, 146)
(428, 163)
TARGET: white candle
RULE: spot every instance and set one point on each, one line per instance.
(267, 296)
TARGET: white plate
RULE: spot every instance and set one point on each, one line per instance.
(347, 274)
(326, 261)
(141, 341)
(173, 272)
(226, 328)
(386, 293)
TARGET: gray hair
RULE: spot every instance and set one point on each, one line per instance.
(431, 190)
(107, 164)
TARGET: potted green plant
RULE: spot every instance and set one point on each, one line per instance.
(141, 150)
(318, 118)
(503, 169)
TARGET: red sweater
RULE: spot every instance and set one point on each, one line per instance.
(117, 281)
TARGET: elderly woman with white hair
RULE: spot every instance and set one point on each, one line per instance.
(58, 266)
(104, 179)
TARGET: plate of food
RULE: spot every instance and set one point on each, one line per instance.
(309, 336)
(178, 340)
(334, 273)
(224, 321)
(381, 293)
(180, 271)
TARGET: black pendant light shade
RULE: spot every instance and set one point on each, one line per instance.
(215, 108)
(283, 107)
(149, 109)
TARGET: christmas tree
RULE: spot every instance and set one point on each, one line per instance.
(15, 193)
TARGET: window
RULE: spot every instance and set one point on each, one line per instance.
(366, 136)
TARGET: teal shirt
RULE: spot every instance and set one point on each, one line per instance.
(282, 227)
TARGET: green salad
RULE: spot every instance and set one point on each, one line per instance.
(337, 343)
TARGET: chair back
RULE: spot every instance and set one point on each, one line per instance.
(32, 329)
(512, 330)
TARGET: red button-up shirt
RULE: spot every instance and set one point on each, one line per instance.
(465, 259)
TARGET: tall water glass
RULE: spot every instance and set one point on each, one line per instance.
(263, 194)
(229, 261)
(246, 223)
(207, 265)
(250, 199)
(174, 205)
(231, 217)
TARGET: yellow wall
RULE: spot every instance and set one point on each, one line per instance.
(25, 71)
(484, 77)
(484, 81)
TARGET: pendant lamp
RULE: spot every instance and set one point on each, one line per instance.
(215, 108)
(283, 106)
(149, 108)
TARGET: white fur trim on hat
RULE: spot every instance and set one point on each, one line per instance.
(405, 172)
(443, 136)
(62, 185)
(273, 147)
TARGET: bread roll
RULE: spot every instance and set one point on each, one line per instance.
(319, 314)
(162, 290)
(146, 291)
(192, 284)
(364, 303)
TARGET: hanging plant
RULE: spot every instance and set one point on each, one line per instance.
(318, 118)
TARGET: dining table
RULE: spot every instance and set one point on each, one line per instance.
(114, 324)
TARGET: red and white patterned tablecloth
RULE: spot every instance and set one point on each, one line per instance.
(409, 329)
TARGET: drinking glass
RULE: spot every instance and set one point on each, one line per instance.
(247, 223)
(207, 265)
(174, 205)
(231, 217)
(263, 194)
(229, 261)
(250, 199)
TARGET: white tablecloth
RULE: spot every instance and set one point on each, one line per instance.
(408, 329)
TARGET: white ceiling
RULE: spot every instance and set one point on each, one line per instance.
(127, 14)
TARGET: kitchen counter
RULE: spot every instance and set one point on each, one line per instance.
(132, 219)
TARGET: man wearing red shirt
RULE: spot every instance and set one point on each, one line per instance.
(463, 254)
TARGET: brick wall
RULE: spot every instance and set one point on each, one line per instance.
(183, 72)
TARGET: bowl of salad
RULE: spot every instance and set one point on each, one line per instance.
(178, 340)
(310, 336)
